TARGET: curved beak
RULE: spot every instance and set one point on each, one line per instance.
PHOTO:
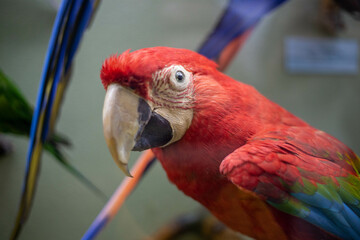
(120, 123)
(130, 123)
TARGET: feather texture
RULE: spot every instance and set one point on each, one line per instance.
(257, 167)
(301, 171)
(71, 21)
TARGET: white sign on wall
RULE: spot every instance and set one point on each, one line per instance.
(321, 55)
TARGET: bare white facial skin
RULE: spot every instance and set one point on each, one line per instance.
(172, 94)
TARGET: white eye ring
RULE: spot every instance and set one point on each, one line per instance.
(179, 78)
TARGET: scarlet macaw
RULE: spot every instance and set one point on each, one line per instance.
(258, 168)
(71, 21)
(221, 45)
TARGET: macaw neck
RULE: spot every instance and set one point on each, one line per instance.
(194, 167)
(219, 126)
(226, 115)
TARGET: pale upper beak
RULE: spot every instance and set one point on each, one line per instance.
(130, 123)
(120, 123)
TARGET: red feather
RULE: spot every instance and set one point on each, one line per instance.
(238, 142)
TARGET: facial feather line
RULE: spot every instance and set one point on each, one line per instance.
(164, 93)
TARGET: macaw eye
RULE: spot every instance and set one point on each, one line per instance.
(180, 76)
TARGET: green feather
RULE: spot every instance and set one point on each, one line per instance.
(16, 112)
(349, 190)
(292, 206)
(16, 117)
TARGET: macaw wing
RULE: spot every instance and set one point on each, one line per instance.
(230, 32)
(303, 172)
(71, 21)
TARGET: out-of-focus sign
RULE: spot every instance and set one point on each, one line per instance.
(321, 56)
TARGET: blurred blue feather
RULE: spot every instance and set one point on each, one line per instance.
(71, 21)
(238, 17)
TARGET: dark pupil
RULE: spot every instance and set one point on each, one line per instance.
(179, 76)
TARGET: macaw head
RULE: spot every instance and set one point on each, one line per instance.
(150, 98)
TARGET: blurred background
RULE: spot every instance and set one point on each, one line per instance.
(63, 207)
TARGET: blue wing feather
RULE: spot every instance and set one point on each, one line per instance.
(331, 215)
(317, 218)
(352, 218)
(328, 198)
(104, 216)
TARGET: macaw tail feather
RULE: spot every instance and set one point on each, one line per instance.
(239, 17)
(143, 163)
(53, 146)
(17, 120)
(71, 21)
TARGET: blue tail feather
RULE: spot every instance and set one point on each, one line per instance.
(239, 16)
(63, 44)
